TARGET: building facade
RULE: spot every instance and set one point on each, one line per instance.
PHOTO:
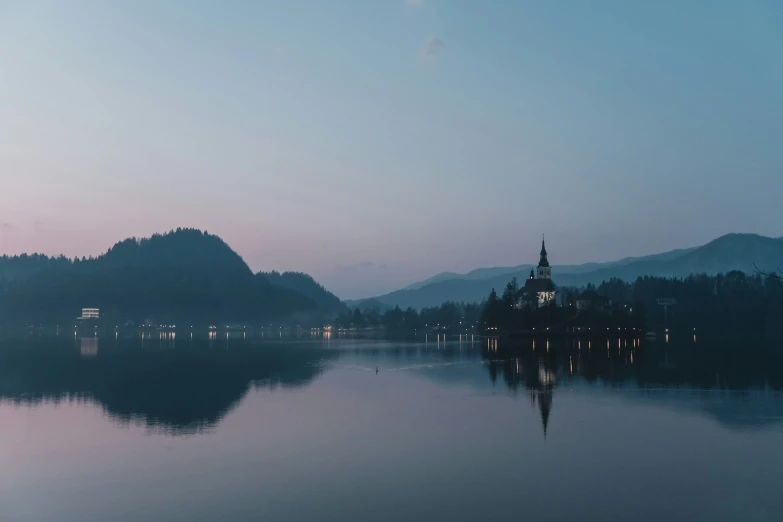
(90, 313)
(539, 290)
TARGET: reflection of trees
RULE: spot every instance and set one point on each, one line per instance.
(172, 390)
(431, 350)
(726, 364)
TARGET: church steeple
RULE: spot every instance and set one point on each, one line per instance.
(544, 271)
(543, 261)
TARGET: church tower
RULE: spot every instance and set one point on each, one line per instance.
(544, 271)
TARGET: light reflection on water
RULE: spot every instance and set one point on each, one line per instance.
(219, 428)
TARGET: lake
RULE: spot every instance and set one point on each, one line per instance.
(325, 429)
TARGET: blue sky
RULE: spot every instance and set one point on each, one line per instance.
(372, 144)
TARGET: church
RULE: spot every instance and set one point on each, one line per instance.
(539, 290)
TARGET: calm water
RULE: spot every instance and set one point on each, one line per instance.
(97, 430)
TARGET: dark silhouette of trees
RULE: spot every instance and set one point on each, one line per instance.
(729, 301)
(449, 316)
(724, 302)
(185, 275)
(307, 286)
(510, 292)
(493, 313)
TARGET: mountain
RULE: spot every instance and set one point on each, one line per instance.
(743, 252)
(307, 286)
(729, 252)
(182, 275)
(486, 273)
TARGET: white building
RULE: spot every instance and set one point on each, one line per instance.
(539, 290)
(90, 313)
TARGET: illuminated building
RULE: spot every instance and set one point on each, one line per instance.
(90, 313)
(539, 290)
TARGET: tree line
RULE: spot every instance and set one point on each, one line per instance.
(731, 301)
(725, 302)
(448, 316)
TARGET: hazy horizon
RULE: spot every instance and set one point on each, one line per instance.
(377, 144)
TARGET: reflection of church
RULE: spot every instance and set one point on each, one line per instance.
(539, 290)
(531, 372)
(542, 390)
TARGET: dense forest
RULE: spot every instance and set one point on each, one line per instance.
(448, 316)
(733, 301)
(730, 301)
(181, 275)
(307, 286)
(725, 302)
(502, 313)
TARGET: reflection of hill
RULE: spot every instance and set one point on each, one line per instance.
(173, 390)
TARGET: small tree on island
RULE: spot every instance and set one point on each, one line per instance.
(492, 312)
(510, 293)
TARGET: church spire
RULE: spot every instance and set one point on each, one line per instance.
(544, 271)
(543, 261)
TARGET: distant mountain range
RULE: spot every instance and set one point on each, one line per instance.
(742, 252)
(182, 275)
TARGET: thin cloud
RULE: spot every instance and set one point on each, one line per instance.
(5, 226)
(431, 48)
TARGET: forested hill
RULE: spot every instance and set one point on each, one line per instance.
(181, 275)
(307, 286)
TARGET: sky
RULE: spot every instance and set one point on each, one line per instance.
(374, 144)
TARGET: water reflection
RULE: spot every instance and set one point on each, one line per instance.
(740, 387)
(668, 429)
(154, 382)
(182, 386)
(88, 347)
